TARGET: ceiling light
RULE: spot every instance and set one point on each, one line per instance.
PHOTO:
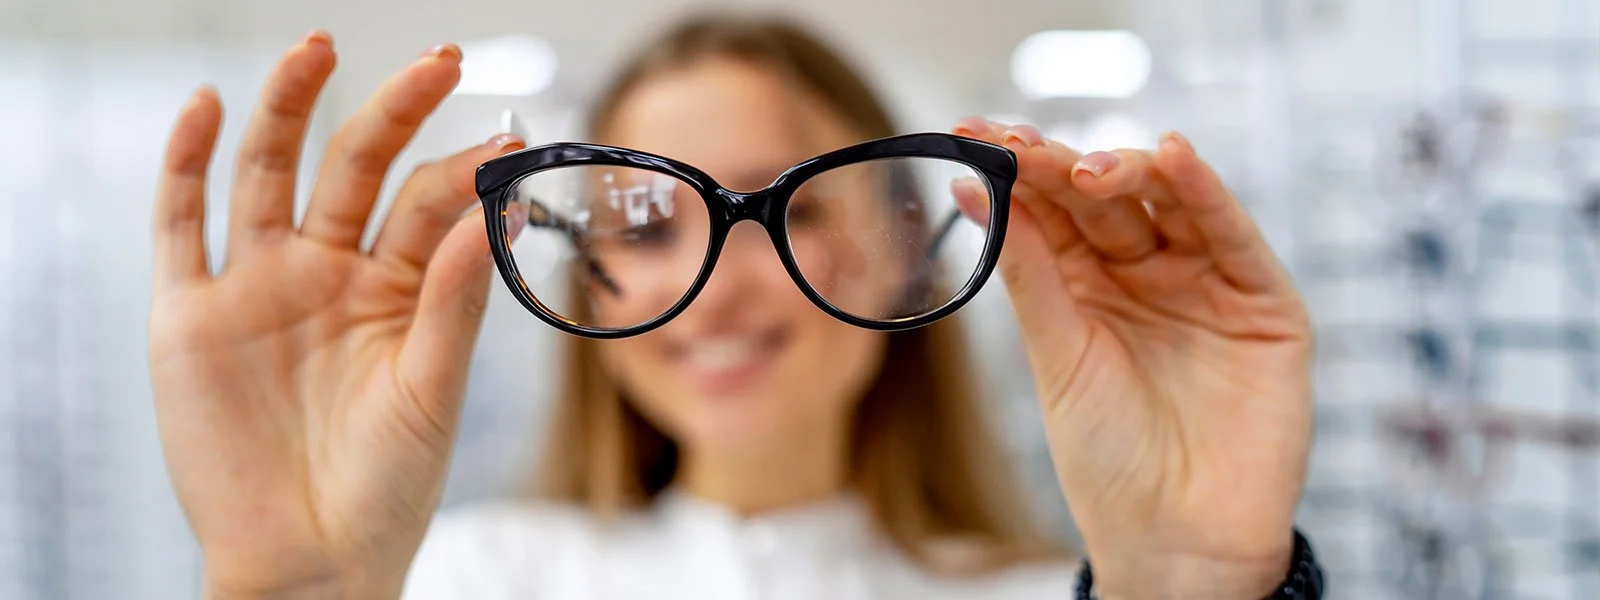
(517, 65)
(1081, 64)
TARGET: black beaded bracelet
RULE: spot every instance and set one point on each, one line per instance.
(1304, 581)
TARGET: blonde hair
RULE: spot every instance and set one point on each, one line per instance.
(923, 461)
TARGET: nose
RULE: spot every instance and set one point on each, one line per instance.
(747, 264)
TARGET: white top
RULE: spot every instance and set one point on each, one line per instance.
(686, 548)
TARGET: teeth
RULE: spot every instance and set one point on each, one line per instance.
(720, 354)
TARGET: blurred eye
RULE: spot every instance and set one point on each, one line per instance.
(805, 212)
(655, 234)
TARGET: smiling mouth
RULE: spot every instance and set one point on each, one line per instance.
(727, 361)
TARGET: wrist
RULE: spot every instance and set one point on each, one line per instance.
(1186, 576)
(1295, 575)
(380, 587)
(326, 590)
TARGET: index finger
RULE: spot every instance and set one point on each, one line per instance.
(1235, 242)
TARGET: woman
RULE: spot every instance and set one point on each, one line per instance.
(308, 395)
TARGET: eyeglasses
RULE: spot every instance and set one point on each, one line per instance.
(607, 242)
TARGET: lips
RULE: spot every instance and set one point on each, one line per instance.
(727, 361)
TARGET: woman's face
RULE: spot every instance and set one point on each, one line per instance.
(751, 361)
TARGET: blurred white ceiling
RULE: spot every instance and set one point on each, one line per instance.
(965, 41)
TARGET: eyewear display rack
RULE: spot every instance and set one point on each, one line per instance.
(1469, 248)
(11, 451)
(1352, 271)
(48, 442)
(90, 513)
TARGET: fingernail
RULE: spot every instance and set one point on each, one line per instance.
(318, 36)
(1096, 164)
(515, 217)
(446, 51)
(505, 141)
(204, 90)
(1173, 140)
(1027, 135)
(971, 186)
(514, 229)
(972, 126)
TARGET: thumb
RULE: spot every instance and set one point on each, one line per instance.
(454, 298)
(1054, 333)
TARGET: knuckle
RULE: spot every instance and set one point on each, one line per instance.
(274, 145)
(444, 182)
(459, 176)
(413, 185)
(362, 157)
(188, 164)
(1013, 272)
(271, 158)
(369, 161)
(401, 115)
(288, 104)
(430, 184)
(180, 215)
(476, 305)
(423, 171)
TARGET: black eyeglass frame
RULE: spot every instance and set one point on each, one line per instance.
(996, 166)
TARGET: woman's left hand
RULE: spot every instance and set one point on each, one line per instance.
(1172, 356)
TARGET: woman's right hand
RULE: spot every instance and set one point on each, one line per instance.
(308, 394)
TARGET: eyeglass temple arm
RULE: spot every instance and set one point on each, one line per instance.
(541, 216)
(948, 223)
